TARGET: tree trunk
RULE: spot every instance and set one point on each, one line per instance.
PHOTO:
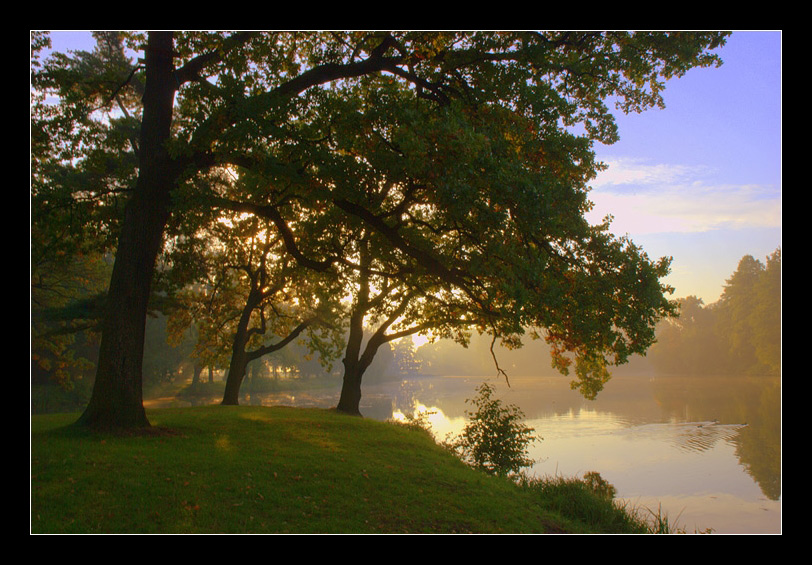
(355, 365)
(236, 374)
(350, 400)
(197, 370)
(239, 360)
(117, 401)
(239, 356)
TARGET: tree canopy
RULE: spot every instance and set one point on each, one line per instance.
(448, 167)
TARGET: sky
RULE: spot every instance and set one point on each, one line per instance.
(699, 181)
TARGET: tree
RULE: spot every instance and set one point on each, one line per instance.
(397, 306)
(690, 344)
(405, 356)
(737, 304)
(281, 301)
(66, 301)
(117, 399)
(253, 99)
(453, 252)
(749, 313)
(70, 226)
(247, 296)
(766, 318)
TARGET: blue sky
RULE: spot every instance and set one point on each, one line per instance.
(699, 181)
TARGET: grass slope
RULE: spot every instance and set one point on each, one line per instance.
(220, 469)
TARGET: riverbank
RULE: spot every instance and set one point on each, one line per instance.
(247, 469)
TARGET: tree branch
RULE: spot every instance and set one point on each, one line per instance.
(271, 213)
(191, 70)
(257, 353)
(425, 259)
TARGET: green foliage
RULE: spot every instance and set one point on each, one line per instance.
(243, 297)
(67, 302)
(405, 358)
(750, 314)
(495, 440)
(81, 164)
(440, 151)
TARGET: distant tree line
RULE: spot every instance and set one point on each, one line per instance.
(739, 334)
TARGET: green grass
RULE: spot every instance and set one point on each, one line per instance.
(220, 469)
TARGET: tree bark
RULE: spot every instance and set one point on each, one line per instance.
(350, 400)
(239, 354)
(197, 370)
(355, 366)
(117, 401)
(236, 375)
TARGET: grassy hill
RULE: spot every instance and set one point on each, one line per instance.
(219, 469)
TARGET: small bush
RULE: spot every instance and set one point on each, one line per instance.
(600, 486)
(495, 440)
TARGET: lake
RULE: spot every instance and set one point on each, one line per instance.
(705, 452)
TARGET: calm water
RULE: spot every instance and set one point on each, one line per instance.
(705, 452)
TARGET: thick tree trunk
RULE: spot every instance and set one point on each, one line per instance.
(355, 365)
(236, 375)
(350, 399)
(117, 401)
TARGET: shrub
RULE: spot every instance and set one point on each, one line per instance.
(495, 440)
(600, 486)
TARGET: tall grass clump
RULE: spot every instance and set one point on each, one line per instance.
(589, 500)
(659, 523)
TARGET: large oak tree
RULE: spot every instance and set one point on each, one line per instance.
(264, 100)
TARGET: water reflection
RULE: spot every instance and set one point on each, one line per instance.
(441, 424)
(693, 436)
